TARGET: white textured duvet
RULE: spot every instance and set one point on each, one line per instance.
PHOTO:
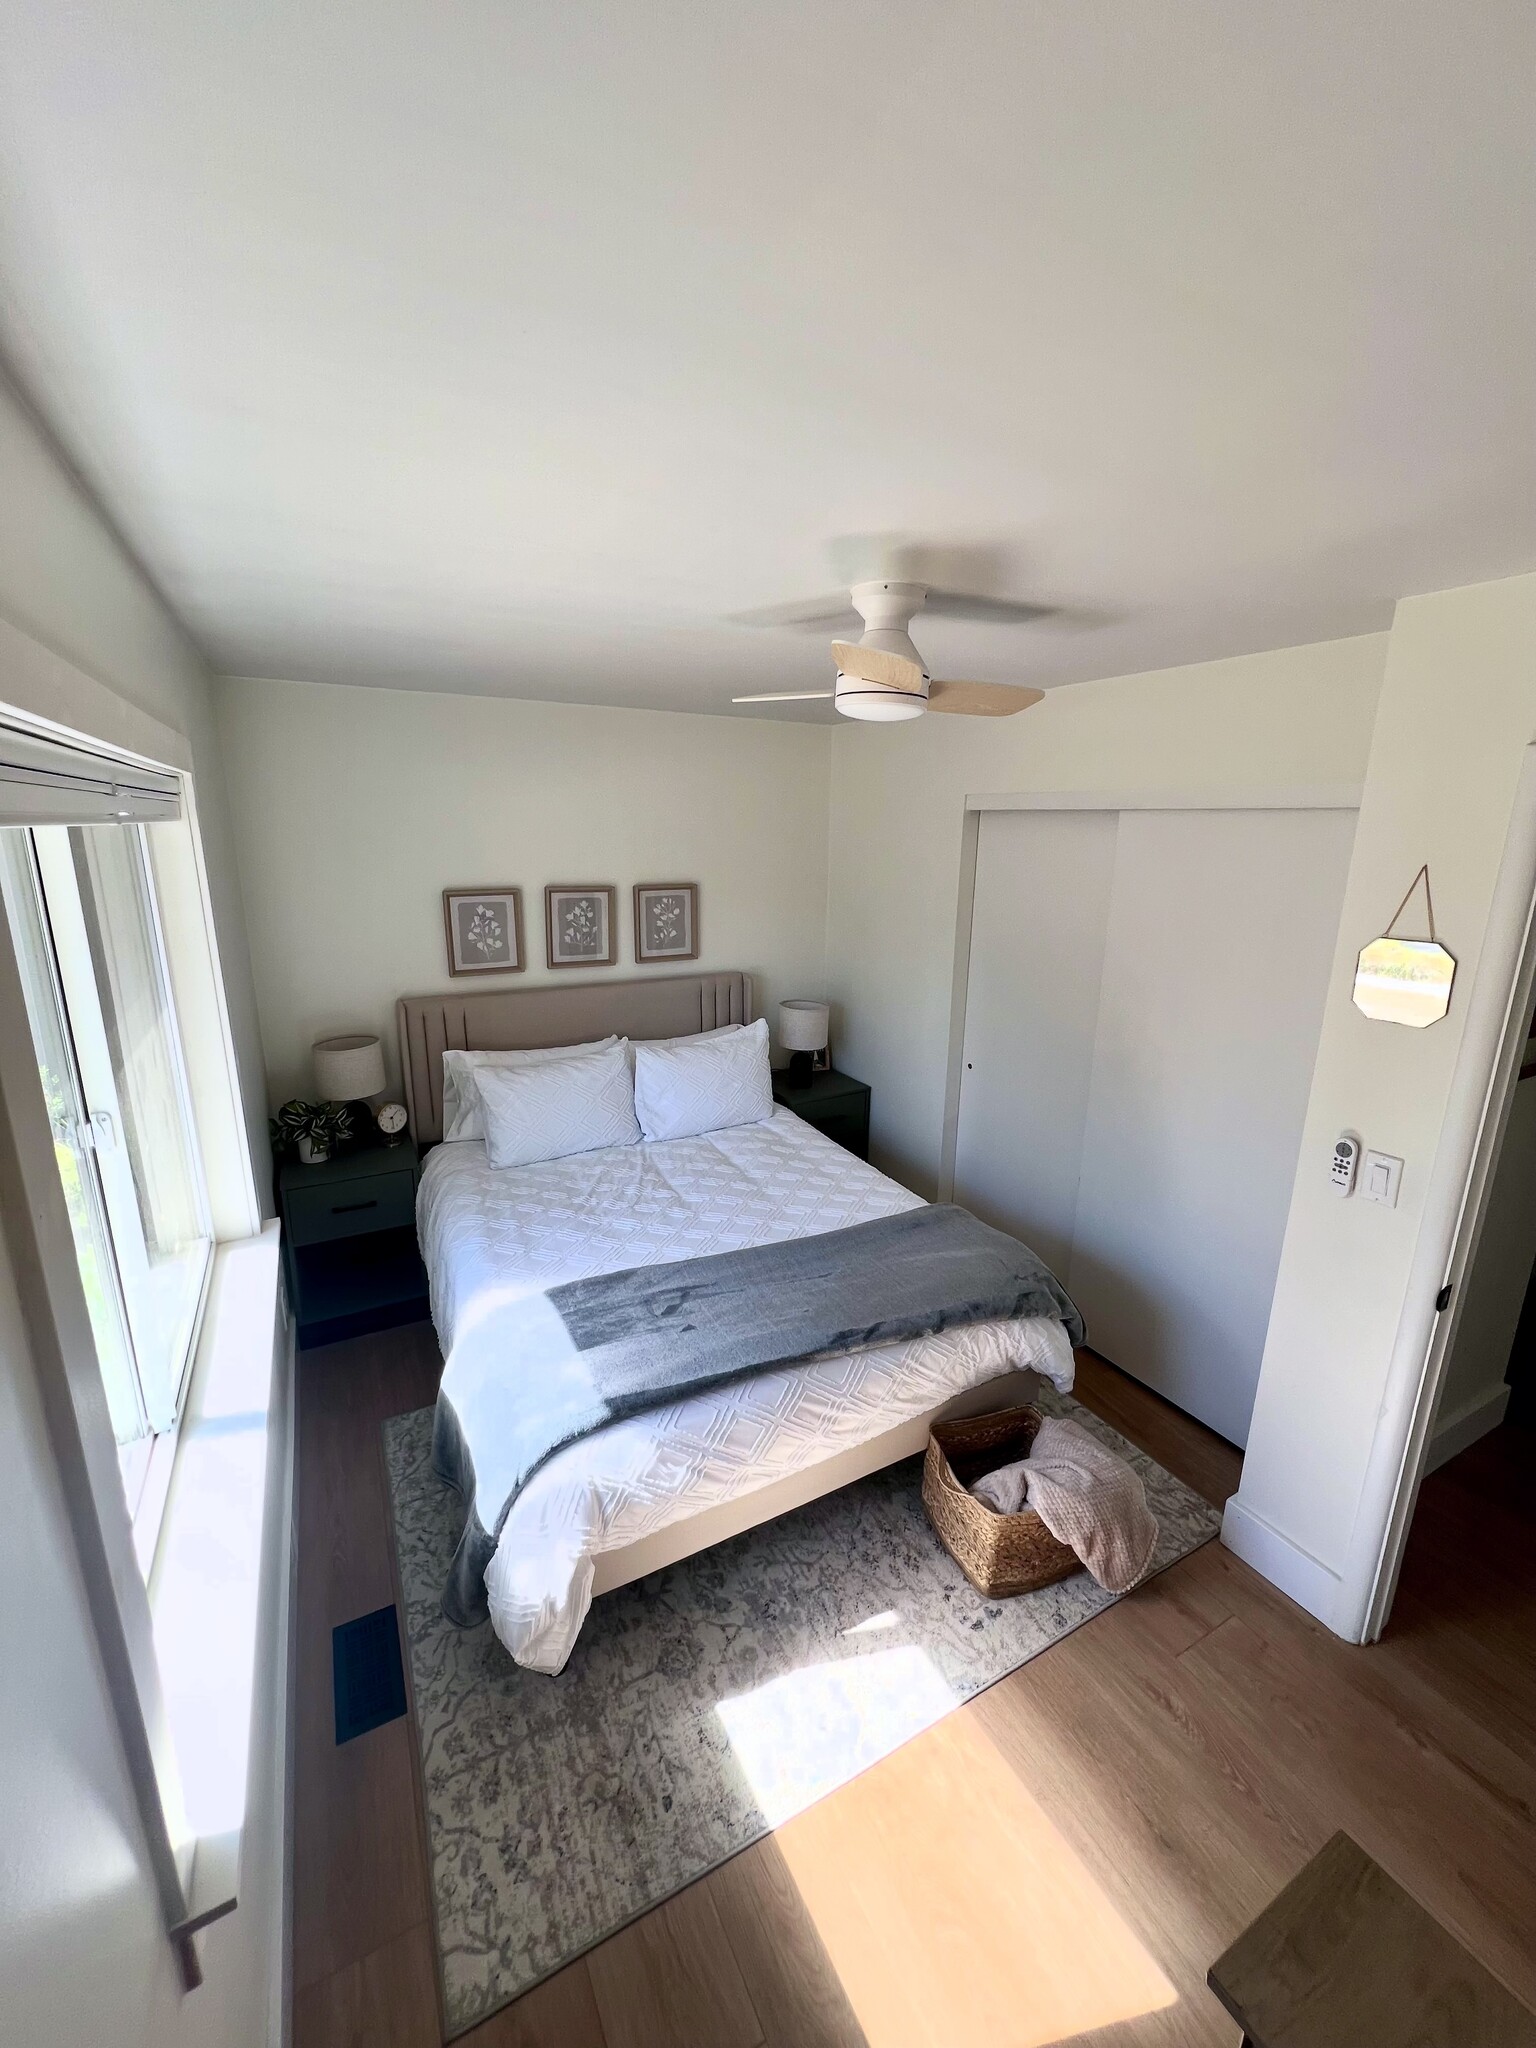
(485, 1234)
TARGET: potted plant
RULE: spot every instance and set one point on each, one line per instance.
(313, 1129)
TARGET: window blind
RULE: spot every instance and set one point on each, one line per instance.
(47, 782)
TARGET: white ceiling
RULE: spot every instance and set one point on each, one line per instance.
(515, 345)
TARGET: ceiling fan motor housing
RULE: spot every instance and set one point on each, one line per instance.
(886, 608)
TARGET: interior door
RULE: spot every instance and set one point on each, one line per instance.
(1218, 947)
(1037, 956)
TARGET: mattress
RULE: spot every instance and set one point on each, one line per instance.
(487, 1236)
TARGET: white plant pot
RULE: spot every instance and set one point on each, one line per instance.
(313, 1151)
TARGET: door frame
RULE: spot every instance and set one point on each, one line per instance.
(1316, 796)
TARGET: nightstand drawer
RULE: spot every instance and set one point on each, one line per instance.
(377, 1201)
(832, 1103)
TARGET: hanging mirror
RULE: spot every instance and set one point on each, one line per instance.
(1405, 981)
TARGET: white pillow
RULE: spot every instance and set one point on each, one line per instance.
(461, 1105)
(708, 1083)
(557, 1107)
(688, 1038)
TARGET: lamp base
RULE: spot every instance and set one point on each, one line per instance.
(802, 1065)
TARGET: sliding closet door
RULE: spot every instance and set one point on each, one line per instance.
(1219, 942)
(1037, 954)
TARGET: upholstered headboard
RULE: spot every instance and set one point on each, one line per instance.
(506, 1020)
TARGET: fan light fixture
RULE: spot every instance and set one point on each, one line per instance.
(878, 706)
(882, 679)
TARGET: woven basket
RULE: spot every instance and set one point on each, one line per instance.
(999, 1554)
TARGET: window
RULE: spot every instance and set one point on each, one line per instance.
(81, 907)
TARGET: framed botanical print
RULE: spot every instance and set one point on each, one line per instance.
(666, 921)
(485, 931)
(580, 921)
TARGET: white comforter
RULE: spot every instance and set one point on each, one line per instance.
(486, 1233)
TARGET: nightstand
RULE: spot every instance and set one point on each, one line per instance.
(835, 1103)
(349, 1242)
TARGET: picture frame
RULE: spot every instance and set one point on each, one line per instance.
(484, 930)
(581, 924)
(666, 922)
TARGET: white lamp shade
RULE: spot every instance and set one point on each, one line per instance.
(802, 1025)
(349, 1067)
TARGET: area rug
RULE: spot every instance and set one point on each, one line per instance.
(701, 1707)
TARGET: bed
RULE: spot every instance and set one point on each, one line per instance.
(645, 1491)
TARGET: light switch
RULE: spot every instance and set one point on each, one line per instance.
(1380, 1176)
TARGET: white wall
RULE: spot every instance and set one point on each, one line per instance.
(83, 1953)
(355, 808)
(83, 1956)
(66, 582)
(1301, 715)
(1458, 708)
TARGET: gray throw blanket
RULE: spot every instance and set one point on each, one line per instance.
(586, 1354)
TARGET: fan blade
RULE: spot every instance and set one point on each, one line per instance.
(785, 697)
(874, 665)
(818, 614)
(805, 614)
(981, 700)
(1002, 611)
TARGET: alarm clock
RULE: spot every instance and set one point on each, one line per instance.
(390, 1118)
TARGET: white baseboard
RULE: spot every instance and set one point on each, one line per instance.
(1464, 1425)
(1304, 1578)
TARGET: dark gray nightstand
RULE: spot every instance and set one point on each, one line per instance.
(835, 1103)
(349, 1242)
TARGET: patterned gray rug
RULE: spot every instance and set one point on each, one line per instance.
(701, 1707)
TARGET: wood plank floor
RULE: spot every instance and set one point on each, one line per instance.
(1060, 1860)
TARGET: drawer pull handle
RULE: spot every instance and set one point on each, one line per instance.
(347, 1208)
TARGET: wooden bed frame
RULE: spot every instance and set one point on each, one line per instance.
(614, 1568)
(670, 1006)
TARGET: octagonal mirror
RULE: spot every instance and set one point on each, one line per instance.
(1404, 981)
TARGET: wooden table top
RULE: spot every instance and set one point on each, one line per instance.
(1344, 1957)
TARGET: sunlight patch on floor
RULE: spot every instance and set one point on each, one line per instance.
(802, 1735)
(876, 1624)
(947, 1902)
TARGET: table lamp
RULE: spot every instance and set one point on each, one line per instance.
(349, 1068)
(803, 1034)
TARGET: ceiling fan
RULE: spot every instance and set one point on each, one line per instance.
(884, 677)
